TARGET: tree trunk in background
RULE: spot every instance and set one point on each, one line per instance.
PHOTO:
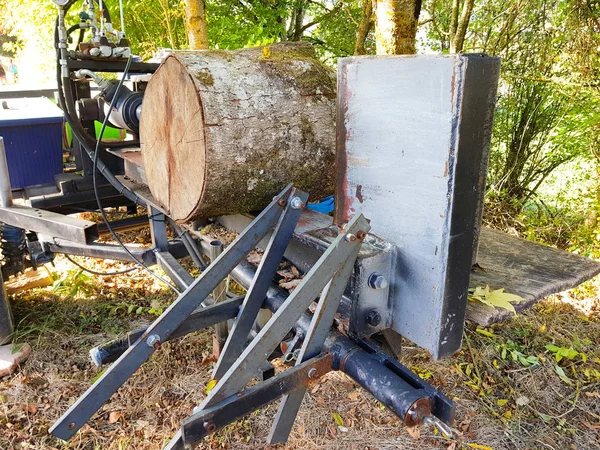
(195, 24)
(222, 132)
(366, 22)
(295, 29)
(458, 28)
(396, 26)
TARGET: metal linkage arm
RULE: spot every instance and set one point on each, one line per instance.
(339, 256)
(312, 345)
(223, 413)
(264, 275)
(81, 411)
(198, 320)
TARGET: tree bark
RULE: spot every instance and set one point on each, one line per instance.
(196, 27)
(396, 26)
(222, 132)
(366, 22)
(458, 29)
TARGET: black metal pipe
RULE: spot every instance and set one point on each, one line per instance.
(400, 390)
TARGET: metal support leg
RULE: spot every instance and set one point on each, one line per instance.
(158, 229)
(312, 345)
(219, 295)
(168, 322)
(190, 245)
(265, 273)
(198, 320)
(5, 190)
(245, 367)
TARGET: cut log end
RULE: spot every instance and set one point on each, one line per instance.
(223, 132)
(174, 152)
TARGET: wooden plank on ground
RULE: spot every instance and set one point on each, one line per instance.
(525, 268)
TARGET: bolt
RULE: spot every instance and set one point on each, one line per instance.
(153, 341)
(350, 237)
(373, 318)
(297, 203)
(313, 373)
(377, 281)
(281, 202)
(361, 234)
(210, 426)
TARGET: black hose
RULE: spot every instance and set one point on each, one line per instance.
(100, 208)
(94, 272)
(81, 134)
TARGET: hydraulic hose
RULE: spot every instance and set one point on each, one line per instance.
(65, 98)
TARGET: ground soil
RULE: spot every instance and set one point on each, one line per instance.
(510, 391)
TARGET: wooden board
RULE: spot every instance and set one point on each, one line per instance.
(525, 268)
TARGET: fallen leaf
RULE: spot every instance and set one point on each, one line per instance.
(291, 285)
(31, 409)
(496, 299)
(343, 429)
(254, 257)
(522, 400)
(414, 432)
(337, 419)
(209, 387)
(353, 395)
(485, 332)
(593, 394)
(114, 416)
(479, 446)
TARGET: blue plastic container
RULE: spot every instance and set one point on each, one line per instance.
(32, 132)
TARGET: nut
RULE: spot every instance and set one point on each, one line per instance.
(373, 318)
(153, 341)
(350, 237)
(281, 202)
(377, 281)
(361, 234)
(297, 203)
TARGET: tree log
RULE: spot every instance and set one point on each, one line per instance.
(222, 132)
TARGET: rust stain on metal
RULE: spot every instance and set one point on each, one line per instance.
(341, 162)
(446, 170)
(359, 195)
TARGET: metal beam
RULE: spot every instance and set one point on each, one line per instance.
(312, 345)
(49, 223)
(201, 318)
(174, 270)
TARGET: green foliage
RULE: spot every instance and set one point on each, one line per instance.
(548, 109)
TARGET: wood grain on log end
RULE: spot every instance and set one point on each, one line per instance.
(222, 132)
